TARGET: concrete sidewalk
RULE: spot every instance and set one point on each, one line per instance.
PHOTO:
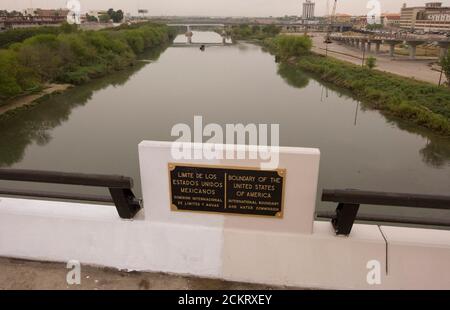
(30, 275)
(419, 69)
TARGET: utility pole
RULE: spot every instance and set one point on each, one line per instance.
(364, 54)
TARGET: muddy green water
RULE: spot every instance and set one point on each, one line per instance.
(95, 128)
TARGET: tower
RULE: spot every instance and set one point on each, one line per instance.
(308, 9)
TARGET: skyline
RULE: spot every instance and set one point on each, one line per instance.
(217, 7)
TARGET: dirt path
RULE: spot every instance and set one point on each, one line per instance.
(29, 99)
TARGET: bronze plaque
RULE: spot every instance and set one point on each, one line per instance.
(231, 190)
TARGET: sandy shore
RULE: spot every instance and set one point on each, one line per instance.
(29, 99)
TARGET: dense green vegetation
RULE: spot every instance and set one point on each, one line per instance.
(445, 63)
(287, 46)
(74, 57)
(254, 32)
(18, 35)
(418, 102)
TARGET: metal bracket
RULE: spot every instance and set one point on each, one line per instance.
(344, 218)
(127, 204)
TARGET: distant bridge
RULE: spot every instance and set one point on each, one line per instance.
(189, 32)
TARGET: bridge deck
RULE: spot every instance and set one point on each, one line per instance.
(22, 274)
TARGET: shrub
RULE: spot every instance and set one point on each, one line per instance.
(371, 62)
(417, 102)
(445, 63)
(74, 56)
(288, 46)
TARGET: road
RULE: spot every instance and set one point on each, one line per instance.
(419, 69)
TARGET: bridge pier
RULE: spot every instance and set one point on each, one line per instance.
(369, 46)
(377, 43)
(189, 34)
(392, 44)
(413, 47)
(363, 44)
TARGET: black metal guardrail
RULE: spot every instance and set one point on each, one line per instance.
(349, 201)
(119, 187)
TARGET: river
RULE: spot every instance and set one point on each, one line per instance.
(96, 127)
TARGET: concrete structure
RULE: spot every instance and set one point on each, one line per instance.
(432, 17)
(294, 250)
(378, 40)
(189, 34)
(34, 17)
(308, 10)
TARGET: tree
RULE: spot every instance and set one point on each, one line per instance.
(292, 46)
(116, 16)
(104, 18)
(91, 18)
(445, 64)
(371, 62)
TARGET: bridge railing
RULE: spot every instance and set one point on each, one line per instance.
(120, 188)
(349, 201)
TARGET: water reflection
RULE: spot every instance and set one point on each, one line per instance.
(36, 124)
(435, 153)
(293, 75)
(96, 127)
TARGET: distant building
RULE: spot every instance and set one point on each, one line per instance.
(33, 18)
(431, 17)
(342, 18)
(58, 13)
(390, 19)
(308, 10)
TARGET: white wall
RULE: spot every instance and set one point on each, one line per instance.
(299, 252)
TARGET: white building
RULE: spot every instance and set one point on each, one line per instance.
(308, 9)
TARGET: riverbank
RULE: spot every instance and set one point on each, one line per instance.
(28, 100)
(416, 102)
(74, 57)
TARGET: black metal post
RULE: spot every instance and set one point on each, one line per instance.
(344, 218)
(364, 55)
(126, 203)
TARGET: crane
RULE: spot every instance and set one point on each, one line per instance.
(330, 24)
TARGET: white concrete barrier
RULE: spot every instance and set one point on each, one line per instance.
(293, 250)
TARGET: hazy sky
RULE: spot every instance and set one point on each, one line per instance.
(216, 7)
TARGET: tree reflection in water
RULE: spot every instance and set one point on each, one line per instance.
(435, 153)
(34, 124)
